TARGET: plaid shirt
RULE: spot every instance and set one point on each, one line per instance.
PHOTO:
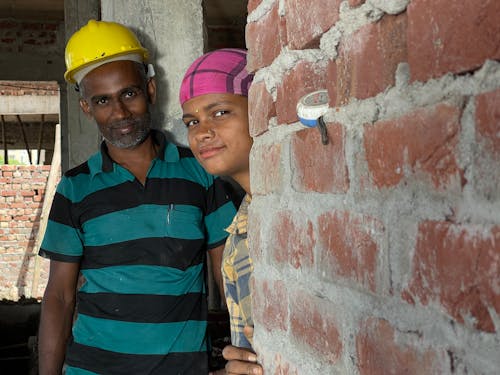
(237, 268)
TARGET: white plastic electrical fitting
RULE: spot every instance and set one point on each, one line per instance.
(312, 106)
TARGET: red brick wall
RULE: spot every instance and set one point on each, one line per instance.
(378, 253)
(20, 88)
(27, 36)
(22, 190)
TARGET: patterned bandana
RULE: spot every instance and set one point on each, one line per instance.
(217, 72)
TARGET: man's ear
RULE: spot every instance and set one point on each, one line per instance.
(151, 87)
(84, 105)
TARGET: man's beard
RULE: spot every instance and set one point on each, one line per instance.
(141, 127)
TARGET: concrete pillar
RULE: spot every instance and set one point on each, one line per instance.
(79, 136)
(173, 33)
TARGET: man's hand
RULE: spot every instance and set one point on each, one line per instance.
(240, 360)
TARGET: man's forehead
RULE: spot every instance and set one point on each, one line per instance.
(113, 77)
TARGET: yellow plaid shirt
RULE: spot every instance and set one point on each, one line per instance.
(237, 268)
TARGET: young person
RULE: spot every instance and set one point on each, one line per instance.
(214, 100)
(135, 221)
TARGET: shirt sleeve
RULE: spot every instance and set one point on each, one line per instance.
(219, 214)
(62, 240)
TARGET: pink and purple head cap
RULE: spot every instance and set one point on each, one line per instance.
(221, 71)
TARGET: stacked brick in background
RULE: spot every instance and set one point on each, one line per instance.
(378, 253)
(20, 88)
(22, 190)
(26, 36)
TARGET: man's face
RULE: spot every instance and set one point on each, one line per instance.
(117, 96)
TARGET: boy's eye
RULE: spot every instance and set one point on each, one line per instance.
(220, 113)
(190, 123)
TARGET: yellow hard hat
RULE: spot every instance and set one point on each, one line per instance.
(97, 42)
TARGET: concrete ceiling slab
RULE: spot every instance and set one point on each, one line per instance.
(32, 10)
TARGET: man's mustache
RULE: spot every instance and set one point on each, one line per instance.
(137, 122)
(124, 123)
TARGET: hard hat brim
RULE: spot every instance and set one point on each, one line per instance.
(139, 55)
(78, 74)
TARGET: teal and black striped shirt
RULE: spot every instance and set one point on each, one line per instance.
(141, 248)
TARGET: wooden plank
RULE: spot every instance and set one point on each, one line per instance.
(54, 174)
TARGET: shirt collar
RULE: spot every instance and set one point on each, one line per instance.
(240, 221)
(101, 162)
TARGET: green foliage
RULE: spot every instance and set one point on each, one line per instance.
(11, 161)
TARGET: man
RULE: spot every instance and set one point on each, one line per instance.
(214, 100)
(134, 221)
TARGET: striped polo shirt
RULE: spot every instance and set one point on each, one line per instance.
(142, 307)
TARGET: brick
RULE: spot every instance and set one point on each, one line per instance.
(261, 108)
(282, 31)
(18, 234)
(367, 61)
(349, 248)
(304, 78)
(355, 3)
(263, 41)
(318, 167)
(21, 218)
(314, 325)
(308, 20)
(423, 141)
(487, 146)
(295, 240)
(8, 168)
(31, 42)
(488, 119)
(252, 5)
(451, 36)
(8, 24)
(457, 266)
(18, 205)
(270, 304)
(8, 193)
(268, 177)
(282, 367)
(255, 237)
(381, 352)
(31, 25)
(50, 26)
